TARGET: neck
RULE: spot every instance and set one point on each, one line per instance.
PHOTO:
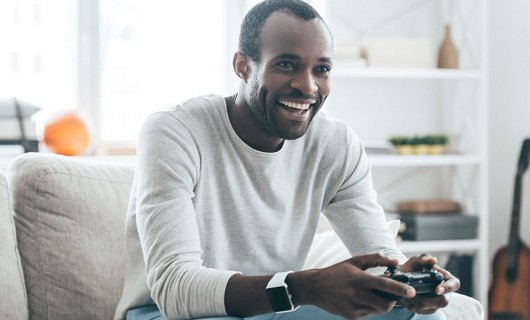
(514, 237)
(248, 128)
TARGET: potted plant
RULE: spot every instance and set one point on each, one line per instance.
(419, 145)
(436, 143)
(402, 144)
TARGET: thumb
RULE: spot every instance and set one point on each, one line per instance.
(373, 260)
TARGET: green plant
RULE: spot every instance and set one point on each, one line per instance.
(398, 140)
(440, 139)
(429, 139)
(435, 139)
(416, 140)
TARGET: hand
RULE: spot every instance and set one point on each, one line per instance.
(427, 304)
(346, 289)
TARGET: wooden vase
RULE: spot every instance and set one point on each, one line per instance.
(448, 55)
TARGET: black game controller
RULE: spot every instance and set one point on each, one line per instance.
(424, 281)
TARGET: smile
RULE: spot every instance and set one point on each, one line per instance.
(296, 110)
(298, 107)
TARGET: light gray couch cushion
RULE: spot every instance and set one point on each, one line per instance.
(70, 217)
(13, 302)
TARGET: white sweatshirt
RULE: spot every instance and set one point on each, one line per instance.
(205, 205)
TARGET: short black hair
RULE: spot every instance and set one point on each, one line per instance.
(250, 35)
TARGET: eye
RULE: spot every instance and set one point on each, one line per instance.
(323, 69)
(286, 65)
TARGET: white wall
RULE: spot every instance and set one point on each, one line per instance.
(509, 75)
(379, 108)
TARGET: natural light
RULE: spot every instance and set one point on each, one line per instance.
(152, 54)
(155, 54)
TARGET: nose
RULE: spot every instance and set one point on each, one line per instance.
(305, 83)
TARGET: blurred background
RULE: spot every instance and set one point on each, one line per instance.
(456, 68)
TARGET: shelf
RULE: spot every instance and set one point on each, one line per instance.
(404, 73)
(439, 246)
(421, 161)
(420, 99)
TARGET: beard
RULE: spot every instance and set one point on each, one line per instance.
(264, 115)
(261, 113)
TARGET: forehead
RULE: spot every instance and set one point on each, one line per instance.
(284, 33)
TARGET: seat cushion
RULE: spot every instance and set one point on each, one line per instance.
(13, 302)
(70, 219)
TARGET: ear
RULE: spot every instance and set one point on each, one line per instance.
(241, 64)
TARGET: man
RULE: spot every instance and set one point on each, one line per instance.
(228, 192)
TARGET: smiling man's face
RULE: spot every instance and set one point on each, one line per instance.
(289, 84)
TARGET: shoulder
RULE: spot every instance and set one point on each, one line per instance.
(332, 133)
(334, 143)
(193, 113)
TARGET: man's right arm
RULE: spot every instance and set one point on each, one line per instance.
(167, 172)
(344, 289)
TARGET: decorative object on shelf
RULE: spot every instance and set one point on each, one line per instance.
(67, 135)
(439, 226)
(419, 145)
(448, 54)
(397, 52)
(436, 143)
(16, 124)
(402, 144)
(348, 55)
(429, 206)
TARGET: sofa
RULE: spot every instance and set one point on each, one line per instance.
(62, 239)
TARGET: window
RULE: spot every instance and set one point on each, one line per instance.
(39, 52)
(155, 54)
(119, 60)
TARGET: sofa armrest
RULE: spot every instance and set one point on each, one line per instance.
(70, 220)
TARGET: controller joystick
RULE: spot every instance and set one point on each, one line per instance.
(391, 270)
(424, 281)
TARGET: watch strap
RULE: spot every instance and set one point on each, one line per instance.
(278, 279)
(279, 294)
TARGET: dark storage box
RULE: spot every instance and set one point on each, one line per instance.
(439, 226)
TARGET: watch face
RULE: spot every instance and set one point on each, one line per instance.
(279, 298)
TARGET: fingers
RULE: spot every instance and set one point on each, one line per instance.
(428, 304)
(417, 262)
(413, 308)
(373, 260)
(425, 304)
(393, 287)
(450, 284)
(345, 289)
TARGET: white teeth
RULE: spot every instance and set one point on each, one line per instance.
(301, 106)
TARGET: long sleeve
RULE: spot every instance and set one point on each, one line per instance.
(168, 170)
(354, 212)
(205, 202)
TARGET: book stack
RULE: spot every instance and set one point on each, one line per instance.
(17, 129)
(436, 220)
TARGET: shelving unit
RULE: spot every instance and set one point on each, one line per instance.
(410, 73)
(422, 161)
(439, 246)
(380, 102)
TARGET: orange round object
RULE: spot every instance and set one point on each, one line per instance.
(68, 135)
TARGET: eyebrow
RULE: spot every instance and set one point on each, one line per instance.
(295, 57)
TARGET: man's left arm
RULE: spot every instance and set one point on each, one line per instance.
(360, 223)
(354, 212)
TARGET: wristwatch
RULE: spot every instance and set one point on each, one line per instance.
(279, 295)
